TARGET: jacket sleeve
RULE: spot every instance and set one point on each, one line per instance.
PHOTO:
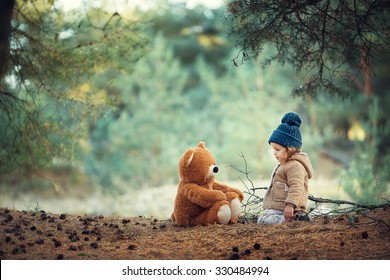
(295, 173)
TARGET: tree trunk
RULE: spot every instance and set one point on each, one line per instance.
(367, 86)
(6, 9)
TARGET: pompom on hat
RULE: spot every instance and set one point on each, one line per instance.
(287, 133)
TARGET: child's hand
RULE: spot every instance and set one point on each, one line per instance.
(289, 213)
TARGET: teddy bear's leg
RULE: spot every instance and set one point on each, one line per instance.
(219, 213)
(224, 214)
(235, 206)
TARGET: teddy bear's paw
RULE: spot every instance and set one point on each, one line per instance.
(224, 214)
(235, 205)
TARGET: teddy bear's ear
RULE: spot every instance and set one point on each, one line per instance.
(188, 157)
(202, 145)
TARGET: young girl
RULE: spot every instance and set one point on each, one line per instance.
(288, 190)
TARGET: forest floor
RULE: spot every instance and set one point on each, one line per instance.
(41, 235)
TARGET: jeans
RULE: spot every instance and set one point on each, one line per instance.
(270, 217)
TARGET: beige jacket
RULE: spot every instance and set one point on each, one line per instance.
(289, 183)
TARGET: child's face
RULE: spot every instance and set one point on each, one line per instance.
(280, 152)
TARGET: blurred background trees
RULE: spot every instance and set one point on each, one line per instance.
(112, 95)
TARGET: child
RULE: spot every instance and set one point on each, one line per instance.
(288, 191)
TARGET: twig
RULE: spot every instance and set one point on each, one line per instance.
(379, 221)
(253, 199)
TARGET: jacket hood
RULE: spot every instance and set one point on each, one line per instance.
(303, 158)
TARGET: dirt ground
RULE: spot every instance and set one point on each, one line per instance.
(39, 235)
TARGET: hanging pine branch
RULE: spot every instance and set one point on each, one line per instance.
(332, 43)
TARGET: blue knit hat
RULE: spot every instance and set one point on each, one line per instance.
(287, 134)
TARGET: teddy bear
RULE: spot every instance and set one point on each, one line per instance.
(200, 199)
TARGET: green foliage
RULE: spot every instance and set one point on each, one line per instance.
(45, 97)
(195, 33)
(352, 136)
(363, 184)
(137, 144)
(23, 139)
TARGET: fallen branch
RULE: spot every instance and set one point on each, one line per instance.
(345, 202)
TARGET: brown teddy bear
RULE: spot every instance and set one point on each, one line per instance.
(200, 200)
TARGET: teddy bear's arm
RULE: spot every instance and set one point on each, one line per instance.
(201, 196)
(225, 188)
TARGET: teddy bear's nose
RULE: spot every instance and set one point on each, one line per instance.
(215, 169)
